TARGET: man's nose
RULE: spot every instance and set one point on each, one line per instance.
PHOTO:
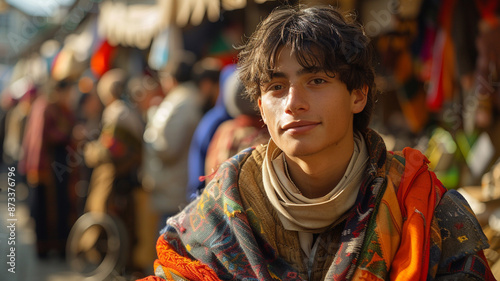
(297, 100)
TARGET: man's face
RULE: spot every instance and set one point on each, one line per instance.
(308, 113)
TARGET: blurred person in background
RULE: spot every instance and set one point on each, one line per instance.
(324, 199)
(44, 163)
(87, 128)
(203, 135)
(15, 125)
(6, 105)
(245, 129)
(89, 109)
(145, 93)
(116, 155)
(167, 137)
(206, 73)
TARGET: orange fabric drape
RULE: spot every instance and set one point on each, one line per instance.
(173, 263)
(417, 198)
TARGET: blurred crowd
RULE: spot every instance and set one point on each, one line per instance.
(136, 133)
(122, 145)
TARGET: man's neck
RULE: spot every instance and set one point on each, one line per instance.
(317, 175)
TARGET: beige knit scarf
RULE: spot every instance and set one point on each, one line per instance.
(311, 215)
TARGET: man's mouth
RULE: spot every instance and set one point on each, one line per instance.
(300, 126)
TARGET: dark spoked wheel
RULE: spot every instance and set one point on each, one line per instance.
(97, 246)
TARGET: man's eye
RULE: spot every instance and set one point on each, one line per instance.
(274, 87)
(318, 81)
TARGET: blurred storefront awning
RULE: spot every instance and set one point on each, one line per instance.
(134, 23)
(39, 8)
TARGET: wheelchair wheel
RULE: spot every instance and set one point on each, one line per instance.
(97, 246)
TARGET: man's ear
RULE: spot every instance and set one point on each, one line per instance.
(259, 103)
(359, 99)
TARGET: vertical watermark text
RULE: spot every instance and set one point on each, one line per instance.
(11, 219)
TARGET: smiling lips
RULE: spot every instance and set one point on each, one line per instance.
(299, 127)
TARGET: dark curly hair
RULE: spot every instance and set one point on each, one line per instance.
(319, 36)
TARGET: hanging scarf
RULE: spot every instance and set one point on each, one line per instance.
(307, 215)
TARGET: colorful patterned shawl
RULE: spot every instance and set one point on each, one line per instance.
(391, 232)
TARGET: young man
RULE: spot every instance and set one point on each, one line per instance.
(323, 200)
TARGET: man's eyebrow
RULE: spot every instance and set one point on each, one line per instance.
(278, 75)
(309, 70)
(302, 71)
